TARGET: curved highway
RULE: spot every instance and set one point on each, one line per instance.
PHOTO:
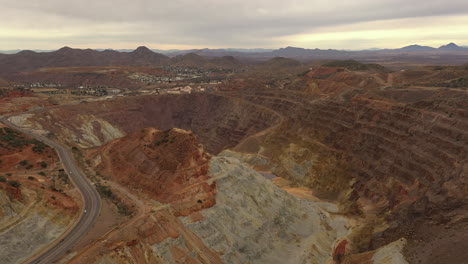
(92, 201)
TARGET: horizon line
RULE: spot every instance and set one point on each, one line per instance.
(227, 48)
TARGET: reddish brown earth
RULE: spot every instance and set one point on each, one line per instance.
(167, 166)
(387, 150)
(12, 153)
(13, 192)
(43, 161)
(14, 100)
(170, 167)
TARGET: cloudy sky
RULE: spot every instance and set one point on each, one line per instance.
(181, 24)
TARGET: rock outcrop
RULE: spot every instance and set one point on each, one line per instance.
(168, 166)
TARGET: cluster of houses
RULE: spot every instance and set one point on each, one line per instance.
(38, 85)
(153, 79)
(181, 74)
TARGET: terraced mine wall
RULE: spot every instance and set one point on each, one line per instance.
(219, 122)
(404, 161)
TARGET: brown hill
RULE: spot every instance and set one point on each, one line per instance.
(226, 62)
(354, 65)
(197, 61)
(68, 57)
(280, 62)
(188, 60)
(170, 167)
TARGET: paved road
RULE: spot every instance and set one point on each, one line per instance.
(92, 200)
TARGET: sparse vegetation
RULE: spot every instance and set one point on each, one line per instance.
(10, 139)
(123, 208)
(43, 164)
(353, 65)
(458, 83)
(62, 176)
(323, 76)
(3, 179)
(31, 178)
(104, 191)
(38, 146)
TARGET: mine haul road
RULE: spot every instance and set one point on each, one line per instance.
(91, 198)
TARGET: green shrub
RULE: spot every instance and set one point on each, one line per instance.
(31, 178)
(64, 177)
(123, 209)
(3, 179)
(38, 146)
(15, 184)
(24, 163)
(104, 191)
(43, 164)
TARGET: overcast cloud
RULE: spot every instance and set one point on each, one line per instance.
(49, 24)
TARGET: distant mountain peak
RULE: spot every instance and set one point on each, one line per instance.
(416, 47)
(65, 49)
(26, 52)
(292, 48)
(450, 46)
(142, 50)
(193, 55)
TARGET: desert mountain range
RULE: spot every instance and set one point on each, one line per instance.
(27, 60)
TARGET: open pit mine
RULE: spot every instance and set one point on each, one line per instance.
(280, 161)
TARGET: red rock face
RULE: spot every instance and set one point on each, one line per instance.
(170, 167)
(340, 251)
